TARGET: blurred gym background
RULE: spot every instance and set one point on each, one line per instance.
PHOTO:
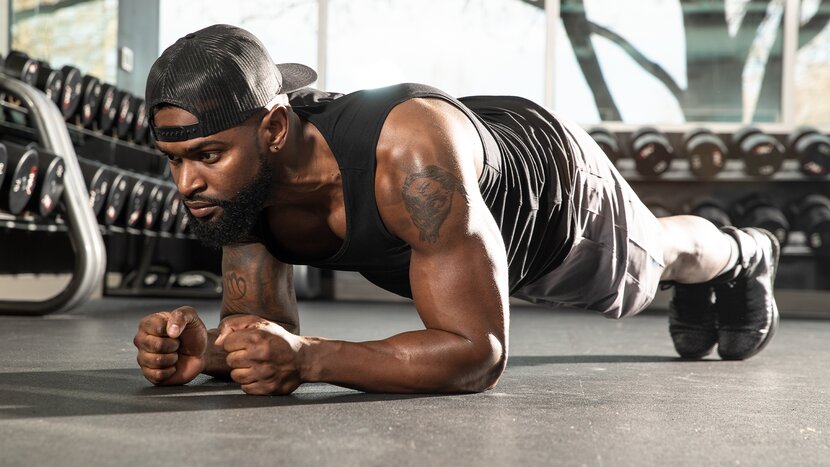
(719, 108)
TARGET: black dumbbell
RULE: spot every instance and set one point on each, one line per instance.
(108, 113)
(19, 185)
(51, 169)
(4, 163)
(20, 66)
(126, 115)
(758, 210)
(762, 154)
(172, 206)
(658, 209)
(652, 151)
(141, 123)
(116, 198)
(607, 142)
(811, 215)
(182, 221)
(50, 81)
(812, 149)
(712, 210)
(705, 151)
(73, 83)
(90, 100)
(138, 192)
(98, 179)
(155, 205)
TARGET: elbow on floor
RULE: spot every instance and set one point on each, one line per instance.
(492, 365)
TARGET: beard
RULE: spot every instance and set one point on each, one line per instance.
(239, 214)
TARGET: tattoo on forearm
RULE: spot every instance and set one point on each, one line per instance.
(427, 196)
(236, 286)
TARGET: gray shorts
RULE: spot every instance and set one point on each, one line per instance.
(616, 260)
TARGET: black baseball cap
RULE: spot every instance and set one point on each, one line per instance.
(222, 74)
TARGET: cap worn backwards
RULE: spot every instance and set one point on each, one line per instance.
(221, 74)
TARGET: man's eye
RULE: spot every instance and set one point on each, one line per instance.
(173, 159)
(209, 156)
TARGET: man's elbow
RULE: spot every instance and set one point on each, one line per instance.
(492, 360)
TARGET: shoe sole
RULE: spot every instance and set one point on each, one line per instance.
(776, 253)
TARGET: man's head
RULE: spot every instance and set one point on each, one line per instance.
(218, 110)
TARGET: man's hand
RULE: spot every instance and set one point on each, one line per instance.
(263, 356)
(171, 346)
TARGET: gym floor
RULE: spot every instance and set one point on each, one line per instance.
(578, 390)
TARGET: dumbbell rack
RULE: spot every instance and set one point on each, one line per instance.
(678, 189)
(82, 227)
(76, 236)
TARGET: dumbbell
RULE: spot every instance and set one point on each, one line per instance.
(19, 185)
(607, 142)
(172, 206)
(705, 151)
(182, 221)
(4, 162)
(658, 209)
(712, 210)
(758, 210)
(117, 197)
(126, 115)
(98, 179)
(20, 66)
(155, 205)
(73, 83)
(50, 81)
(762, 154)
(138, 192)
(90, 100)
(652, 151)
(812, 216)
(141, 123)
(812, 149)
(108, 113)
(51, 169)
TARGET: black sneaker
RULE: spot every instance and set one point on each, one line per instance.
(744, 304)
(692, 320)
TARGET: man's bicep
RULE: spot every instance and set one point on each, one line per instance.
(257, 283)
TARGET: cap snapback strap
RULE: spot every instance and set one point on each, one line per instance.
(172, 134)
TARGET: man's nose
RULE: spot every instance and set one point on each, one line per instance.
(188, 179)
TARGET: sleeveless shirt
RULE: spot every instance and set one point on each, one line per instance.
(525, 180)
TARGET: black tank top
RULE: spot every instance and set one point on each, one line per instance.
(525, 181)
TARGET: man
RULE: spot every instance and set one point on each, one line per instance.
(457, 204)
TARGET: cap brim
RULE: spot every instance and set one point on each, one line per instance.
(295, 76)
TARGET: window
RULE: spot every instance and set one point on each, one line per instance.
(463, 47)
(671, 62)
(83, 34)
(812, 65)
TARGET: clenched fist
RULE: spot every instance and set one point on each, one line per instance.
(263, 356)
(171, 346)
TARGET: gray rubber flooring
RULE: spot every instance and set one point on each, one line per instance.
(579, 390)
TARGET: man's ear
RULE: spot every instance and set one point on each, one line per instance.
(274, 127)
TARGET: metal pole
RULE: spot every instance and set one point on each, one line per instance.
(552, 10)
(322, 45)
(792, 15)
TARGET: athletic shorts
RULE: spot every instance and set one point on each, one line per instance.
(616, 260)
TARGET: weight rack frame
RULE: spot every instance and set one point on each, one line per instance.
(82, 227)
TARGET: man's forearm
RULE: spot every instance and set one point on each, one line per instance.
(426, 361)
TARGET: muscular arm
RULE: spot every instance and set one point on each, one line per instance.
(426, 188)
(255, 283)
